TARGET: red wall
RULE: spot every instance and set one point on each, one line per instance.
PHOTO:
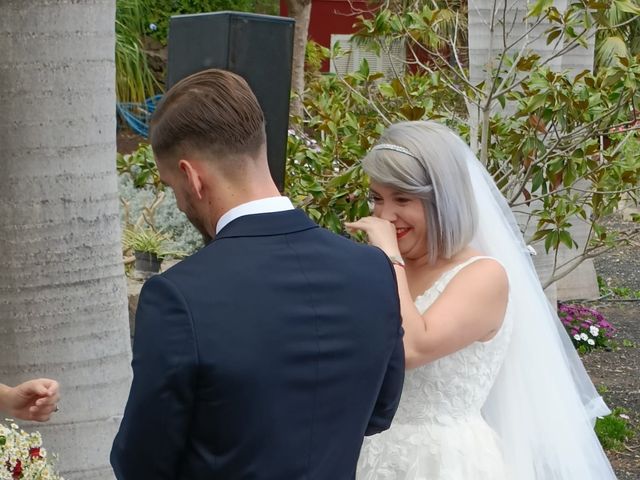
(331, 16)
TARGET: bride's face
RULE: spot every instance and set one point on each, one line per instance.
(406, 213)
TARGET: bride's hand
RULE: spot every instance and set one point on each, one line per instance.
(381, 233)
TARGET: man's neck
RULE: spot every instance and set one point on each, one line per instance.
(262, 205)
(231, 196)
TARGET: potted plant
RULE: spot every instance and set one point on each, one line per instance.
(149, 248)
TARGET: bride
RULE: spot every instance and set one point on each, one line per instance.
(496, 390)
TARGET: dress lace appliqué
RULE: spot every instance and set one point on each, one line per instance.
(438, 432)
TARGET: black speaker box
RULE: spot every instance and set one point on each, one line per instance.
(257, 47)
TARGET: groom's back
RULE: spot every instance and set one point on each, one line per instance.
(294, 329)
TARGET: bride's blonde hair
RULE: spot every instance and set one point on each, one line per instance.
(429, 164)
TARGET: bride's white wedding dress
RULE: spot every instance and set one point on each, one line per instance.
(438, 432)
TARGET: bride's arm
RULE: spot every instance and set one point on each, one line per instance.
(471, 308)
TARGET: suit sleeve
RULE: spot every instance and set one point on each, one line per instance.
(391, 390)
(389, 396)
(154, 430)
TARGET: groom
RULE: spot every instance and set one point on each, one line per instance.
(271, 352)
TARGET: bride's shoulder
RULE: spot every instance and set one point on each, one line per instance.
(474, 261)
(481, 275)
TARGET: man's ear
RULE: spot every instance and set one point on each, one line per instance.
(194, 176)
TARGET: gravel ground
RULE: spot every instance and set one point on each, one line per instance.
(621, 267)
(617, 372)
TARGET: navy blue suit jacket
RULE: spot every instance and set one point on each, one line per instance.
(266, 355)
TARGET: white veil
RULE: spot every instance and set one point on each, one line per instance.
(543, 404)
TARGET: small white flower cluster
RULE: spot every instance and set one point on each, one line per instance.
(22, 455)
(583, 337)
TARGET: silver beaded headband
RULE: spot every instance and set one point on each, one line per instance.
(399, 149)
(395, 148)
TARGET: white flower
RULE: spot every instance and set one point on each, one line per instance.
(591, 342)
(153, 27)
(584, 336)
(594, 330)
(20, 446)
(577, 337)
(622, 415)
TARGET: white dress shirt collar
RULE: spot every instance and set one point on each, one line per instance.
(264, 205)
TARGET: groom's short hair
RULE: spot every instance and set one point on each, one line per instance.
(212, 111)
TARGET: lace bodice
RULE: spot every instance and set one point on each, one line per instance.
(454, 387)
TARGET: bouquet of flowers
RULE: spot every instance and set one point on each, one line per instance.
(587, 327)
(22, 456)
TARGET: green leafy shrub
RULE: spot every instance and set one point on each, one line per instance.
(617, 292)
(614, 430)
(135, 80)
(140, 165)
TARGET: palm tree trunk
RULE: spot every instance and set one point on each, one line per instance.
(63, 300)
(300, 11)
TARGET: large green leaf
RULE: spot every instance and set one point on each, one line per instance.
(610, 50)
(539, 7)
(627, 6)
